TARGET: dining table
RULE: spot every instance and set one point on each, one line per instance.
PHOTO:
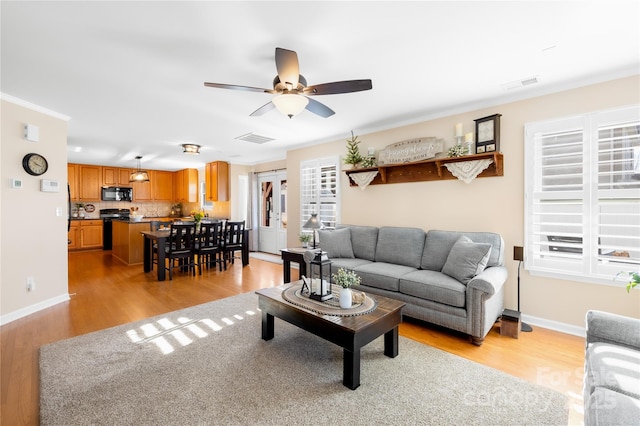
(160, 237)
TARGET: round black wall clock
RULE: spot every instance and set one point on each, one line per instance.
(35, 164)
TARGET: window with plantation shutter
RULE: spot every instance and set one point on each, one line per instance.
(320, 191)
(582, 196)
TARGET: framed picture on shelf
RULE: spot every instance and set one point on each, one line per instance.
(488, 134)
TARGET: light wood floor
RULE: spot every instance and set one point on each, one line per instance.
(105, 293)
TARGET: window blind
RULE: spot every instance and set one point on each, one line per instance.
(582, 195)
(319, 190)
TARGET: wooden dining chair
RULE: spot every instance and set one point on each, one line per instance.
(233, 241)
(180, 248)
(208, 248)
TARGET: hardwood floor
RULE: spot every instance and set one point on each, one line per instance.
(105, 293)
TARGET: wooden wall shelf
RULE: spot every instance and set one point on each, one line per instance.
(428, 170)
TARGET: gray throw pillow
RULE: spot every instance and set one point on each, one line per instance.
(336, 242)
(466, 259)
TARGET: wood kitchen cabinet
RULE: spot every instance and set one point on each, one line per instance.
(85, 234)
(73, 236)
(217, 181)
(89, 182)
(162, 184)
(115, 176)
(185, 186)
(142, 191)
(159, 187)
(72, 180)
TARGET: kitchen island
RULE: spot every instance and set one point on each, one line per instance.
(128, 243)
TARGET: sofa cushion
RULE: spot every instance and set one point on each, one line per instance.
(363, 241)
(613, 367)
(382, 275)
(434, 286)
(438, 244)
(400, 246)
(466, 259)
(607, 407)
(347, 263)
(336, 242)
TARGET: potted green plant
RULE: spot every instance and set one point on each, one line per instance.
(633, 279)
(345, 279)
(304, 239)
(353, 156)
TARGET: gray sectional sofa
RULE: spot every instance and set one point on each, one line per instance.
(452, 279)
(612, 370)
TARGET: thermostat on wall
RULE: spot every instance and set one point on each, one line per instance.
(47, 185)
(16, 183)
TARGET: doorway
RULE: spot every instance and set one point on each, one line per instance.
(272, 214)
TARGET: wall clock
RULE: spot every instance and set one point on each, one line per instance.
(35, 164)
(488, 134)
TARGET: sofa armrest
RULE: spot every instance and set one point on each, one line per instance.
(611, 328)
(490, 280)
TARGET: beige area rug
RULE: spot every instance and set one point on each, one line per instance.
(207, 365)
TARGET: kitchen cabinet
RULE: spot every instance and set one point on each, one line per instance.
(128, 242)
(89, 182)
(159, 187)
(74, 232)
(142, 191)
(217, 181)
(72, 180)
(85, 234)
(115, 176)
(185, 186)
(162, 184)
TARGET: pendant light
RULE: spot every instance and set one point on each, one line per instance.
(139, 175)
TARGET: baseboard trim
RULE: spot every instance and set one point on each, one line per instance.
(32, 309)
(554, 325)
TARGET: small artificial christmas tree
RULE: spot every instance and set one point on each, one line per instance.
(353, 152)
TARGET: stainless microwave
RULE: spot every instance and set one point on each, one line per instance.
(117, 193)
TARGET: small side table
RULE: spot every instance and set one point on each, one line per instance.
(295, 255)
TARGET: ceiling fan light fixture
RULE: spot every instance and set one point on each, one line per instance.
(290, 104)
(191, 148)
(139, 175)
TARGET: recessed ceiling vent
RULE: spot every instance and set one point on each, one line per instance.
(520, 83)
(253, 138)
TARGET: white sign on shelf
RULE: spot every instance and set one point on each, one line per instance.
(410, 151)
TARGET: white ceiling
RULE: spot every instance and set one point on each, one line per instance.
(130, 74)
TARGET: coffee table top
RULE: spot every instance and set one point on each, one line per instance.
(386, 307)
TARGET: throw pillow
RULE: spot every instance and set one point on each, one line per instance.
(336, 242)
(466, 259)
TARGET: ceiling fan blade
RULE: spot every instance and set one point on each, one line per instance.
(318, 108)
(338, 87)
(263, 109)
(236, 87)
(287, 66)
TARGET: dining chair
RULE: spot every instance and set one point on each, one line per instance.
(180, 248)
(233, 240)
(208, 248)
(157, 224)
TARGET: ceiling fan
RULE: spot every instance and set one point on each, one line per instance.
(292, 92)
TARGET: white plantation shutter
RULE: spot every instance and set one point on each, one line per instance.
(582, 195)
(319, 191)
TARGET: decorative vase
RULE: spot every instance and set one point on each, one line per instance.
(345, 298)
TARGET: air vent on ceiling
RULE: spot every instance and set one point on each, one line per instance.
(253, 138)
(520, 83)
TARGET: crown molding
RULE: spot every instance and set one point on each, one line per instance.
(34, 107)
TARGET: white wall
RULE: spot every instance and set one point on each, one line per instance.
(33, 238)
(487, 204)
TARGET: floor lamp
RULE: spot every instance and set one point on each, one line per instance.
(518, 254)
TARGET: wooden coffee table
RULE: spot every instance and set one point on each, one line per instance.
(351, 333)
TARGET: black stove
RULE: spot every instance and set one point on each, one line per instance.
(114, 213)
(108, 215)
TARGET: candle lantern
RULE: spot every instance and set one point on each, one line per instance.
(319, 267)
